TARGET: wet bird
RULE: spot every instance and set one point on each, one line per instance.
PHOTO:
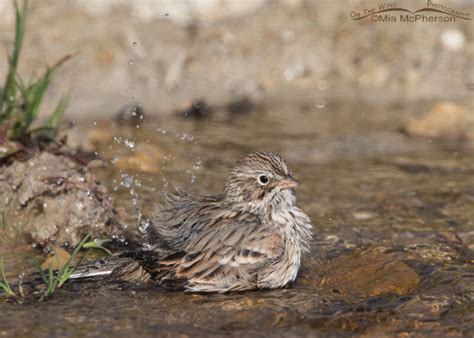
(251, 236)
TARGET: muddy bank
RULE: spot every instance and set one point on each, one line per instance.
(52, 199)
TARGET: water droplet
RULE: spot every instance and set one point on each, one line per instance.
(289, 74)
(321, 104)
(197, 165)
(147, 247)
(182, 136)
(129, 143)
(322, 85)
(161, 131)
(143, 227)
(126, 181)
(131, 62)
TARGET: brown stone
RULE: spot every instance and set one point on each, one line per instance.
(145, 159)
(56, 260)
(447, 121)
(372, 273)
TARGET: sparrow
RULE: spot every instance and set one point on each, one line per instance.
(251, 236)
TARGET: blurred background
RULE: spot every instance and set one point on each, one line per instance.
(164, 54)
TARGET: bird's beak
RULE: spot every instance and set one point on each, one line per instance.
(288, 183)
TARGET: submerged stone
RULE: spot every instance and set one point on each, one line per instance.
(372, 273)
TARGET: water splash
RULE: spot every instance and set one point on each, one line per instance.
(195, 170)
(184, 136)
(144, 226)
(127, 181)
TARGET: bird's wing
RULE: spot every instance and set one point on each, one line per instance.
(226, 248)
(185, 215)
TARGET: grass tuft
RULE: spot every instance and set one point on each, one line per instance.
(4, 285)
(52, 279)
(20, 101)
(56, 280)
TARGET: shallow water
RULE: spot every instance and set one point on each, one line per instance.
(377, 199)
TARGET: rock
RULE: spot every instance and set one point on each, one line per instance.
(51, 199)
(445, 121)
(145, 159)
(199, 109)
(372, 273)
(56, 259)
(131, 115)
(374, 77)
(363, 215)
(240, 105)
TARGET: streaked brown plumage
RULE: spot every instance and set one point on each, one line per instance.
(251, 236)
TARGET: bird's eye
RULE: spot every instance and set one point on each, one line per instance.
(263, 179)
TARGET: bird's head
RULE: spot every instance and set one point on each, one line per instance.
(261, 182)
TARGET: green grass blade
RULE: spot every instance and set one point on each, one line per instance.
(39, 268)
(64, 273)
(32, 98)
(50, 274)
(32, 103)
(65, 276)
(20, 289)
(56, 117)
(9, 89)
(98, 244)
(4, 283)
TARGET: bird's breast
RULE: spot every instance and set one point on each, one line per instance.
(294, 228)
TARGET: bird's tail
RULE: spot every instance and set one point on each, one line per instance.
(115, 268)
(101, 268)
